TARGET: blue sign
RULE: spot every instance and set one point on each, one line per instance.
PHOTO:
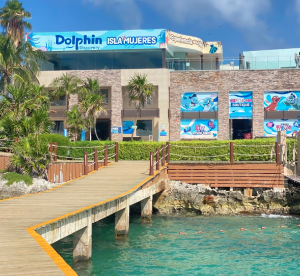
(127, 127)
(240, 105)
(289, 125)
(65, 132)
(199, 101)
(198, 129)
(98, 40)
(282, 101)
(82, 136)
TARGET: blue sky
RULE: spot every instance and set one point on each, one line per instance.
(241, 25)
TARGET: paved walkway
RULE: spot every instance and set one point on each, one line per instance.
(20, 254)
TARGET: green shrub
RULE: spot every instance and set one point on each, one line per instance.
(59, 139)
(31, 156)
(13, 177)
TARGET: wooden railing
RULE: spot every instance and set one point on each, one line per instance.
(164, 152)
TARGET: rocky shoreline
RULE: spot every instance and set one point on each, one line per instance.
(202, 200)
(21, 189)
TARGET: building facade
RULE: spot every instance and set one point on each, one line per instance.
(194, 98)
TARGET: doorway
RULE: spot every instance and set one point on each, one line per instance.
(103, 130)
(240, 127)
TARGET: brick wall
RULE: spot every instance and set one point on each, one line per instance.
(222, 82)
(111, 78)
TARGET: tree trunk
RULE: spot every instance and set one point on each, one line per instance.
(90, 133)
(95, 123)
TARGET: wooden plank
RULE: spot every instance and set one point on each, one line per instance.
(201, 181)
(233, 178)
(225, 173)
(225, 167)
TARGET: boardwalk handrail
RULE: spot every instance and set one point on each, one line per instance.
(164, 151)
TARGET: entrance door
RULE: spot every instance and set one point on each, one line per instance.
(240, 127)
(103, 130)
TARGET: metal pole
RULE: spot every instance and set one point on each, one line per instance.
(157, 159)
(231, 152)
(50, 149)
(151, 171)
(105, 156)
(116, 152)
(95, 160)
(85, 166)
(277, 152)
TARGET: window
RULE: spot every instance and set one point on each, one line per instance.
(104, 93)
(58, 127)
(60, 102)
(144, 127)
(149, 101)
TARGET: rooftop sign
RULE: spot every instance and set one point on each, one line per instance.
(98, 40)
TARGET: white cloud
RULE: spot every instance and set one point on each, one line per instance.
(126, 11)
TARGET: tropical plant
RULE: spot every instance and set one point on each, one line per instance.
(18, 65)
(140, 91)
(91, 103)
(65, 86)
(24, 111)
(31, 156)
(12, 17)
(75, 121)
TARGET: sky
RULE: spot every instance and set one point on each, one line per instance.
(241, 25)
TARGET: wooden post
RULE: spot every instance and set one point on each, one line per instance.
(277, 152)
(50, 149)
(85, 162)
(55, 151)
(157, 159)
(105, 156)
(168, 152)
(151, 171)
(95, 160)
(116, 152)
(163, 156)
(231, 152)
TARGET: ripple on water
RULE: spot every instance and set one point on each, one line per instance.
(255, 251)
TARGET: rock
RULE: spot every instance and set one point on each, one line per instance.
(200, 199)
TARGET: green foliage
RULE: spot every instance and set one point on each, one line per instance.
(13, 177)
(75, 121)
(59, 139)
(31, 156)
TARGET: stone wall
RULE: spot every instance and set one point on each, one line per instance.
(110, 78)
(222, 82)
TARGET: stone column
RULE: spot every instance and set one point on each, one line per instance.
(146, 209)
(281, 139)
(122, 223)
(82, 241)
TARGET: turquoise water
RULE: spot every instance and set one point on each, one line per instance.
(272, 251)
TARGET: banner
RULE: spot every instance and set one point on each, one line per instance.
(127, 127)
(184, 41)
(98, 40)
(282, 101)
(240, 105)
(198, 129)
(199, 101)
(289, 125)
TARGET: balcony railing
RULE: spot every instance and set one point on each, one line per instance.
(253, 63)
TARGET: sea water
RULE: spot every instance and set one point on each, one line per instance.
(255, 251)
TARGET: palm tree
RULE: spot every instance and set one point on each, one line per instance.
(91, 103)
(140, 91)
(75, 120)
(12, 17)
(65, 86)
(18, 64)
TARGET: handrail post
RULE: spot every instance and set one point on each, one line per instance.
(116, 152)
(231, 152)
(50, 150)
(95, 159)
(151, 171)
(85, 165)
(157, 159)
(168, 152)
(55, 151)
(277, 152)
(163, 156)
(105, 156)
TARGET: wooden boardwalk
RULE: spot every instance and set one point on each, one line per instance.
(20, 254)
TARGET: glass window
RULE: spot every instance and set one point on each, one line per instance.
(60, 102)
(144, 127)
(104, 93)
(58, 127)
